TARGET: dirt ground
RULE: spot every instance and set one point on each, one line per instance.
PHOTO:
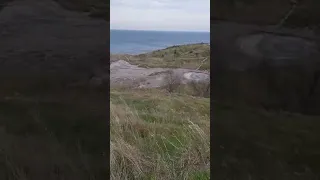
(124, 74)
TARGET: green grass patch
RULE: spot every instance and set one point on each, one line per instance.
(168, 138)
(180, 56)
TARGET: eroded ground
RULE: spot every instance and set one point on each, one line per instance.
(123, 73)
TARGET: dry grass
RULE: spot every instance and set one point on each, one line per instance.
(193, 88)
(182, 56)
(162, 133)
(162, 136)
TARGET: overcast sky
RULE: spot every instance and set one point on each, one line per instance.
(169, 15)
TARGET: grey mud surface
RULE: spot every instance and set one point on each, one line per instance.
(124, 74)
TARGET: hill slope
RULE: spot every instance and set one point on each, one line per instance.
(156, 135)
(180, 56)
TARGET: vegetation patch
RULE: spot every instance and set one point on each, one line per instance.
(193, 56)
(157, 135)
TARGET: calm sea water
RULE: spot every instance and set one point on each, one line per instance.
(135, 42)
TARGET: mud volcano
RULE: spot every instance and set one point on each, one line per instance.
(123, 73)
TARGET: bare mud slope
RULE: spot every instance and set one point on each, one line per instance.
(123, 73)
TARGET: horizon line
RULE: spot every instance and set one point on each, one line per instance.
(160, 30)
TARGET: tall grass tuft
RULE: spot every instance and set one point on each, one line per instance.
(159, 142)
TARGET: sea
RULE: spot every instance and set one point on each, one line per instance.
(137, 42)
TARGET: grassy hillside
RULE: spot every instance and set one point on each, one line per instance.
(162, 133)
(156, 135)
(184, 56)
(253, 142)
